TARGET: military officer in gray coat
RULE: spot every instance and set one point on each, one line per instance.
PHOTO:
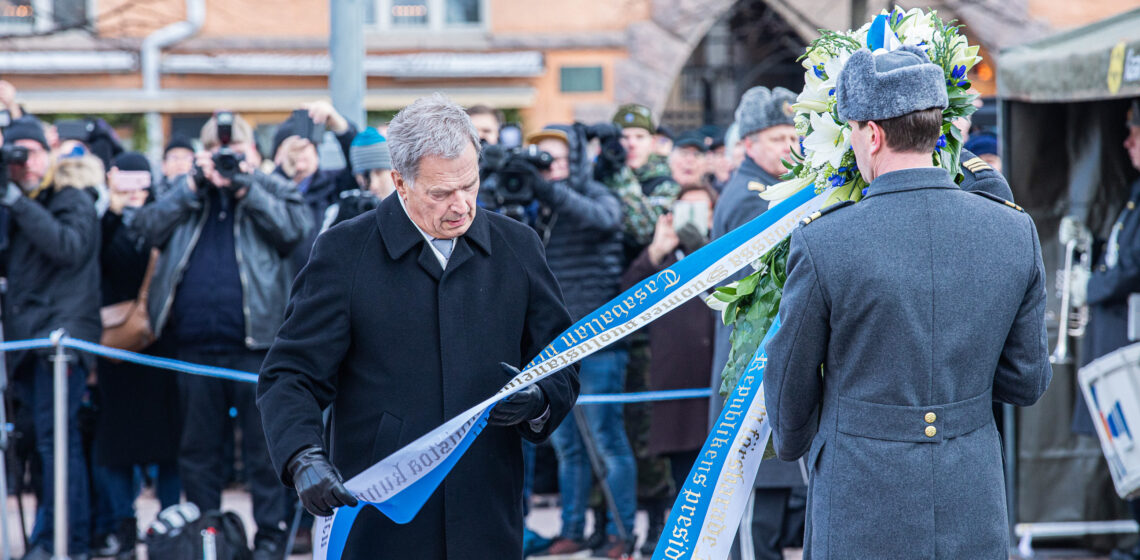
(764, 119)
(923, 303)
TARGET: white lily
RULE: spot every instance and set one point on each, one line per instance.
(916, 29)
(816, 94)
(965, 56)
(828, 140)
(780, 191)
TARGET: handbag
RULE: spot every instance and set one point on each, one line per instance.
(126, 325)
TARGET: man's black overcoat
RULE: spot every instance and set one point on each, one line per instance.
(398, 345)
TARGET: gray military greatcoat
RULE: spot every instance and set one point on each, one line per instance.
(924, 303)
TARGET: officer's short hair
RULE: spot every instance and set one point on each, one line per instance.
(913, 132)
(242, 132)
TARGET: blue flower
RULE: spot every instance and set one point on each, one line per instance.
(898, 18)
(941, 143)
(864, 191)
(819, 72)
(958, 72)
(831, 92)
(836, 180)
(802, 151)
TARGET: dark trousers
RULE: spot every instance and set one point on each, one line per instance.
(78, 504)
(206, 403)
(119, 486)
(777, 522)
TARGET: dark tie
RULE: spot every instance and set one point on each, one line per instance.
(443, 246)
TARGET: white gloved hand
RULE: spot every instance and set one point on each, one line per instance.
(1069, 230)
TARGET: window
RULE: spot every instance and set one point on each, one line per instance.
(433, 15)
(28, 16)
(576, 79)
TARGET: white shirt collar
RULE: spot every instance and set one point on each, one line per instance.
(438, 255)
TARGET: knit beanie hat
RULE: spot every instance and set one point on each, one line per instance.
(131, 161)
(26, 128)
(369, 150)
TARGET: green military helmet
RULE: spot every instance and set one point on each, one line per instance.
(632, 115)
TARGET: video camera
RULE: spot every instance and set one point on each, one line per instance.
(508, 176)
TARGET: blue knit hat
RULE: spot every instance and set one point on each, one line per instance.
(369, 151)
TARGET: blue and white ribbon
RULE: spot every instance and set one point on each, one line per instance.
(400, 484)
(708, 509)
(880, 36)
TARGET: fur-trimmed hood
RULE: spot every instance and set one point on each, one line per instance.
(78, 173)
(83, 172)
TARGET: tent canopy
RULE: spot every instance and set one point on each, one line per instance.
(1098, 61)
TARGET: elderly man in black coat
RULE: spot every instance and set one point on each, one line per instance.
(403, 318)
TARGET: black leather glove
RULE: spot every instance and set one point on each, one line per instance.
(520, 407)
(318, 483)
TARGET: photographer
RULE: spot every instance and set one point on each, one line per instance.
(219, 292)
(295, 153)
(372, 167)
(53, 283)
(580, 222)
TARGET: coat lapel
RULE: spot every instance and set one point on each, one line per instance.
(400, 235)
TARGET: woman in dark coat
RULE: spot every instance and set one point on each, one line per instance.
(138, 422)
(680, 346)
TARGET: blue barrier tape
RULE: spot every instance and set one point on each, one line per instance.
(247, 377)
(648, 396)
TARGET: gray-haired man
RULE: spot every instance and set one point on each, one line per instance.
(404, 317)
(923, 303)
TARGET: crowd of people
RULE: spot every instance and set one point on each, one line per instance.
(207, 247)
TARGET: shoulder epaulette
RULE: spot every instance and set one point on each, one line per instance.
(816, 215)
(976, 165)
(997, 198)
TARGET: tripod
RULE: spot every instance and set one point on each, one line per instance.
(5, 543)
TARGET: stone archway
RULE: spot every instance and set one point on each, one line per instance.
(658, 47)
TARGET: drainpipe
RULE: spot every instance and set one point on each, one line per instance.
(150, 55)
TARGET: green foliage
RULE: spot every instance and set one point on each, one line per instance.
(752, 307)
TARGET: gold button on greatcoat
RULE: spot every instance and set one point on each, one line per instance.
(931, 431)
(930, 417)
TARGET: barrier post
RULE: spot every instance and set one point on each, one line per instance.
(59, 383)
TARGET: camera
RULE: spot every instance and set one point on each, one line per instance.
(13, 155)
(508, 177)
(227, 161)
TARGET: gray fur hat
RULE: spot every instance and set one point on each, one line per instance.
(875, 87)
(762, 108)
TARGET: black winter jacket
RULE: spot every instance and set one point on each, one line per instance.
(582, 230)
(53, 258)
